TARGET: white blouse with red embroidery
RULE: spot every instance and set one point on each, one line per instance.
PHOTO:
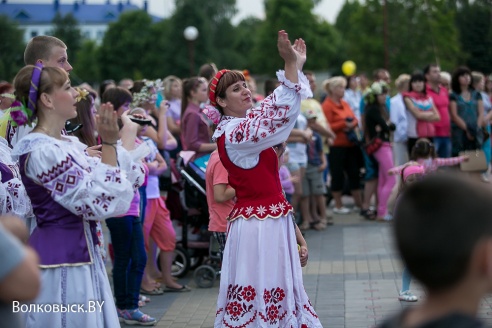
(264, 126)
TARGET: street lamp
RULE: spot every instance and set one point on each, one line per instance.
(191, 33)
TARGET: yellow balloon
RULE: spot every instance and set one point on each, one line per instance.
(349, 68)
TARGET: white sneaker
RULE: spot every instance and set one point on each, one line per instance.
(485, 178)
(342, 210)
(407, 296)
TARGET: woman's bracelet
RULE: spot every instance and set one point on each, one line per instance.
(109, 144)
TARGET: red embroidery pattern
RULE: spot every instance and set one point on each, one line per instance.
(263, 211)
(273, 313)
(262, 122)
(238, 305)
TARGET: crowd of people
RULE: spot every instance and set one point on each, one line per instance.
(73, 159)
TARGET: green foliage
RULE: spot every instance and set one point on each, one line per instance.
(66, 28)
(11, 49)
(419, 32)
(124, 46)
(86, 68)
(244, 42)
(474, 22)
(296, 17)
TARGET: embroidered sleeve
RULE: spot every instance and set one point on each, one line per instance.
(14, 199)
(266, 125)
(91, 191)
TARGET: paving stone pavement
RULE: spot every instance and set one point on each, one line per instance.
(352, 278)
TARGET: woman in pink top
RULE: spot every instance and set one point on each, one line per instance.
(195, 128)
(219, 198)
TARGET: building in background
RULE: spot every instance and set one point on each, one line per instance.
(36, 18)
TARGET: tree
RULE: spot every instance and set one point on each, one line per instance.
(11, 48)
(245, 37)
(66, 28)
(474, 22)
(124, 46)
(296, 17)
(419, 32)
(86, 68)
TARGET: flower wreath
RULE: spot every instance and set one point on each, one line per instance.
(375, 90)
(20, 114)
(145, 95)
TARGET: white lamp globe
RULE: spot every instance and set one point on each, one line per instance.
(190, 33)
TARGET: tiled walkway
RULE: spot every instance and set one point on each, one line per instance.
(352, 279)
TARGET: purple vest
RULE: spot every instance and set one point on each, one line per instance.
(59, 237)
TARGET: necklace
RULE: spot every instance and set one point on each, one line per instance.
(45, 131)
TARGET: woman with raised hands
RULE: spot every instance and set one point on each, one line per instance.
(261, 278)
(69, 191)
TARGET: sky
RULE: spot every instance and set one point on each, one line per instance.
(328, 9)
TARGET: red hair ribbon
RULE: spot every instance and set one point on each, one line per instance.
(213, 86)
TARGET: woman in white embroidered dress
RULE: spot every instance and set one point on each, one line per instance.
(13, 196)
(261, 279)
(68, 191)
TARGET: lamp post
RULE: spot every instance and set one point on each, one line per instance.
(191, 33)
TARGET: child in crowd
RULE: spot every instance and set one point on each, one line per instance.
(424, 153)
(443, 233)
(220, 198)
(286, 179)
(411, 173)
(313, 185)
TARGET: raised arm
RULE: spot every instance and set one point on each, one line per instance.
(294, 56)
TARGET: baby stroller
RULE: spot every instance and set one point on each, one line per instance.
(206, 274)
(187, 202)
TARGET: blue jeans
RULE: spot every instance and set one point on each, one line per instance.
(129, 259)
(442, 145)
(405, 280)
(143, 203)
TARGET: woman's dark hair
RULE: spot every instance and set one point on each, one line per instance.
(417, 77)
(5, 86)
(104, 86)
(228, 79)
(85, 117)
(189, 85)
(455, 78)
(423, 149)
(349, 79)
(117, 96)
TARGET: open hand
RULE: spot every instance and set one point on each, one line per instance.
(300, 49)
(94, 151)
(107, 123)
(285, 48)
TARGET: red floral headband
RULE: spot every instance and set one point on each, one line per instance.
(213, 86)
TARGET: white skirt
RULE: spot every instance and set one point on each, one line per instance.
(261, 278)
(84, 289)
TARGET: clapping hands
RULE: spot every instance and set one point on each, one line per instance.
(292, 54)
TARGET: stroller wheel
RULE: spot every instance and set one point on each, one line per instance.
(204, 276)
(181, 262)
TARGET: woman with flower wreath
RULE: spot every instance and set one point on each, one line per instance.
(69, 191)
(378, 126)
(261, 278)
